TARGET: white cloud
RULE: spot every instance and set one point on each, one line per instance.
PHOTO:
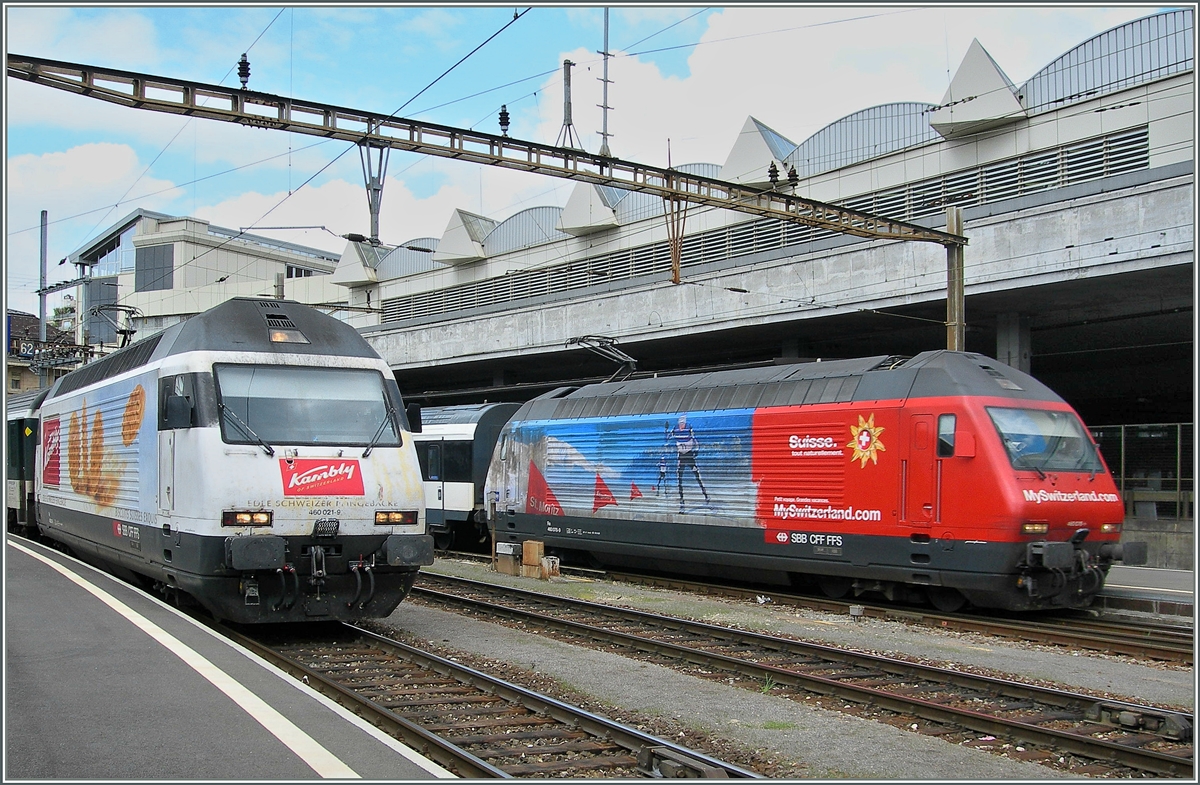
(798, 69)
(116, 37)
(84, 185)
(341, 207)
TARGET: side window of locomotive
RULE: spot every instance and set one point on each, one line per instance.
(945, 441)
(186, 400)
(176, 402)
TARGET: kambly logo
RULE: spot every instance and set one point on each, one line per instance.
(320, 477)
(51, 450)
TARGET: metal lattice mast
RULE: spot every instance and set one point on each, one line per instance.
(604, 107)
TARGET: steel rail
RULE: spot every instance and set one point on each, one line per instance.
(656, 757)
(1097, 749)
(264, 110)
(629, 738)
(1155, 642)
(428, 744)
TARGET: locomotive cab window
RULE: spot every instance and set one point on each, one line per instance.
(945, 437)
(1045, 441)
(292, 405)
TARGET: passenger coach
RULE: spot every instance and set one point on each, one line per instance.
(454, 448)
(20, 414)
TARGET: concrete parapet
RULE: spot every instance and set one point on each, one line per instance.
(1171, 541)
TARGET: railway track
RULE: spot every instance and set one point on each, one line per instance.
(1143, 640)
(1113, 737)
(471, 723)
(1139, 639)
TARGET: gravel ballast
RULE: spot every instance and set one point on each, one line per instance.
(777, 735)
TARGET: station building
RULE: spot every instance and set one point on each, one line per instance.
(150, 270)
(1077, 191)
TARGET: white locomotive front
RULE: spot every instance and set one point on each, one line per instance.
(256, 458)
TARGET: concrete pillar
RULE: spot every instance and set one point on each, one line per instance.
(956, 324)
(1013, 344)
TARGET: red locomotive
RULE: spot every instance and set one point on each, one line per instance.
(948, 475)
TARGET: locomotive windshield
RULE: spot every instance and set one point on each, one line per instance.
(1045, 441)
(305, 405)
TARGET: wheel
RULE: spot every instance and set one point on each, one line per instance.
(946, 600)
(442, 542)
(834, 586)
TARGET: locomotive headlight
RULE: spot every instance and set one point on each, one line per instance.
(1035, 528)
(396, 518)
(246, 518)
(287, 336)
(1110, 528)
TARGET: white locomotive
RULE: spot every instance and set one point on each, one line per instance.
(256, 458)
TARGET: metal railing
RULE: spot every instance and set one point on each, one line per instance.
(1152, 466)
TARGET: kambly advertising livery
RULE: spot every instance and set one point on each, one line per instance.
(256, 459)
(947, 475)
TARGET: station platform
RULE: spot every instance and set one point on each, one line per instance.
(105, 682)
(1167, 593)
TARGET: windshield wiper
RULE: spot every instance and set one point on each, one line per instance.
(1027, 462)
(388, 416)
(246, 429)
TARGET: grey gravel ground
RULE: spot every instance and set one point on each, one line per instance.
(819, 743)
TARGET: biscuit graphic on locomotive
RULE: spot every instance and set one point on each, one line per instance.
(947, 477)
(256, 458)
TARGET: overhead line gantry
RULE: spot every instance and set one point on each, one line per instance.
(376, 131)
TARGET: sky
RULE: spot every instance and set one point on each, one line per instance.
(683, 80)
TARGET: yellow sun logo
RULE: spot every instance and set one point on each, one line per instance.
(864, 439)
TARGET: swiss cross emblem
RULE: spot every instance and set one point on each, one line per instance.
(864, 439)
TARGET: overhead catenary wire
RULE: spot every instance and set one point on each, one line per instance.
(336, 158)
(188, 122)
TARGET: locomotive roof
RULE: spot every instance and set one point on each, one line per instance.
(930, 374)
(244, 324)
(241, 324)
(17, 405)
(463, 414)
